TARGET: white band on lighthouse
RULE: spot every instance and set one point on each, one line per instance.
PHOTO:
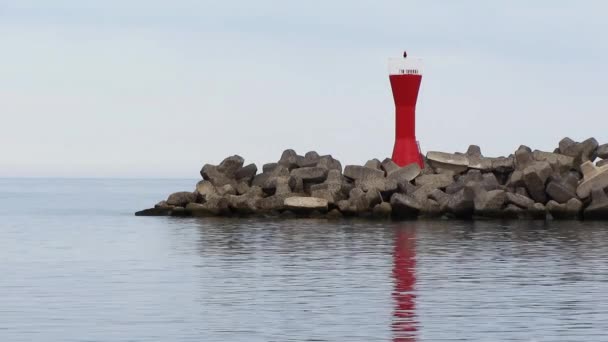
(405, 66)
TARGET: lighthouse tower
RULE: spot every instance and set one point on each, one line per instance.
(405, 75)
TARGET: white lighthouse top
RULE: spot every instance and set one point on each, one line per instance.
(405, 66)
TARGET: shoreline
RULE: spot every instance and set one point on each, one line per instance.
(538, 185)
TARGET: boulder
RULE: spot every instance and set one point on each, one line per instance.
(461, 204)
(476, 160)
(535, 176)
(593, 176)
(516, 179)
(289, 159)
(461, 182)
(602, 151)
(441, 198)
(310, 159)
(374, 164)
(226, 190)
(329, 163)
(559, 162)
(570, 210)
(310, 174)
(598, 209)
(154, 212)
(580, 152)
(356, 204)
(382, 210)
(181, 198)
(334, 189)
(389, 166)
(225, 173)
(436, 181)
(214, 205)
(456, 163)
(246, 203)
(334, 214)
(405, 206)
(503, 164)
(560, 191)
(601, 163)
(269, 167)
(431, 208)
(404, 174)
(305, 204)
(489, 203)
(246, 174)
(523, 157)
(519, 200)
(203, 189)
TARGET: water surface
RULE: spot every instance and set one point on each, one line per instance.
(76, 265)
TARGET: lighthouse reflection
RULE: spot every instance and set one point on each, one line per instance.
(404, 324)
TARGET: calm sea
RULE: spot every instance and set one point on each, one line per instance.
(76, 265)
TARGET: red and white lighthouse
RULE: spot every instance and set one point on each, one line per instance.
(406, 75)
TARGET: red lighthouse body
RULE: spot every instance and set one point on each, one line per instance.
(405, 75)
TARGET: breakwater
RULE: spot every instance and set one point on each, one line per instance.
(567, 183)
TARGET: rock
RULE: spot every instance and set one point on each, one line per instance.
(356, 172)
(373, 197)
(489, 182)
(598, 209)
(569, 147)
(589, 151)
(519, 200)
(516, 179)
(430, 208)
(226, 190)
(389, 166)
(422, 193)
(154, 212)
(405, 206)
(560, 192)
(246, 203)
(476, 160)
(329, 163)
(470, 176)
(436, 181)
(447, 161)
(523, 157)
(559, 162)
(461, 204)
(163, 205)
(214, 206)
(568, 211)
(537, 212)
(224, 173)
(374, 164)
(181, 198)
(246, 174)
(242, 188)
(266, 168)
(503, 165)
(601, 163)
(404, 174)
(602, 151)
(289, 159)
(593, 176)
(367, 178)
(204, 188)
(489, 203)
(334, 214)
(512, 211)
(272, 203)
(535, 176)
(441, 198)
(305, 204)
(310, 174)
(180, 212)
(382, 210)
(310, 159)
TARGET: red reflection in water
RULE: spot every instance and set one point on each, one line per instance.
(404, 272)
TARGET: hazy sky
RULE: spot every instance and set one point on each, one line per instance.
(120, 88)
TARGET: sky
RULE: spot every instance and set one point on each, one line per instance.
(156, 89)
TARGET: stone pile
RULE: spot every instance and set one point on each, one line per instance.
(563, 184)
